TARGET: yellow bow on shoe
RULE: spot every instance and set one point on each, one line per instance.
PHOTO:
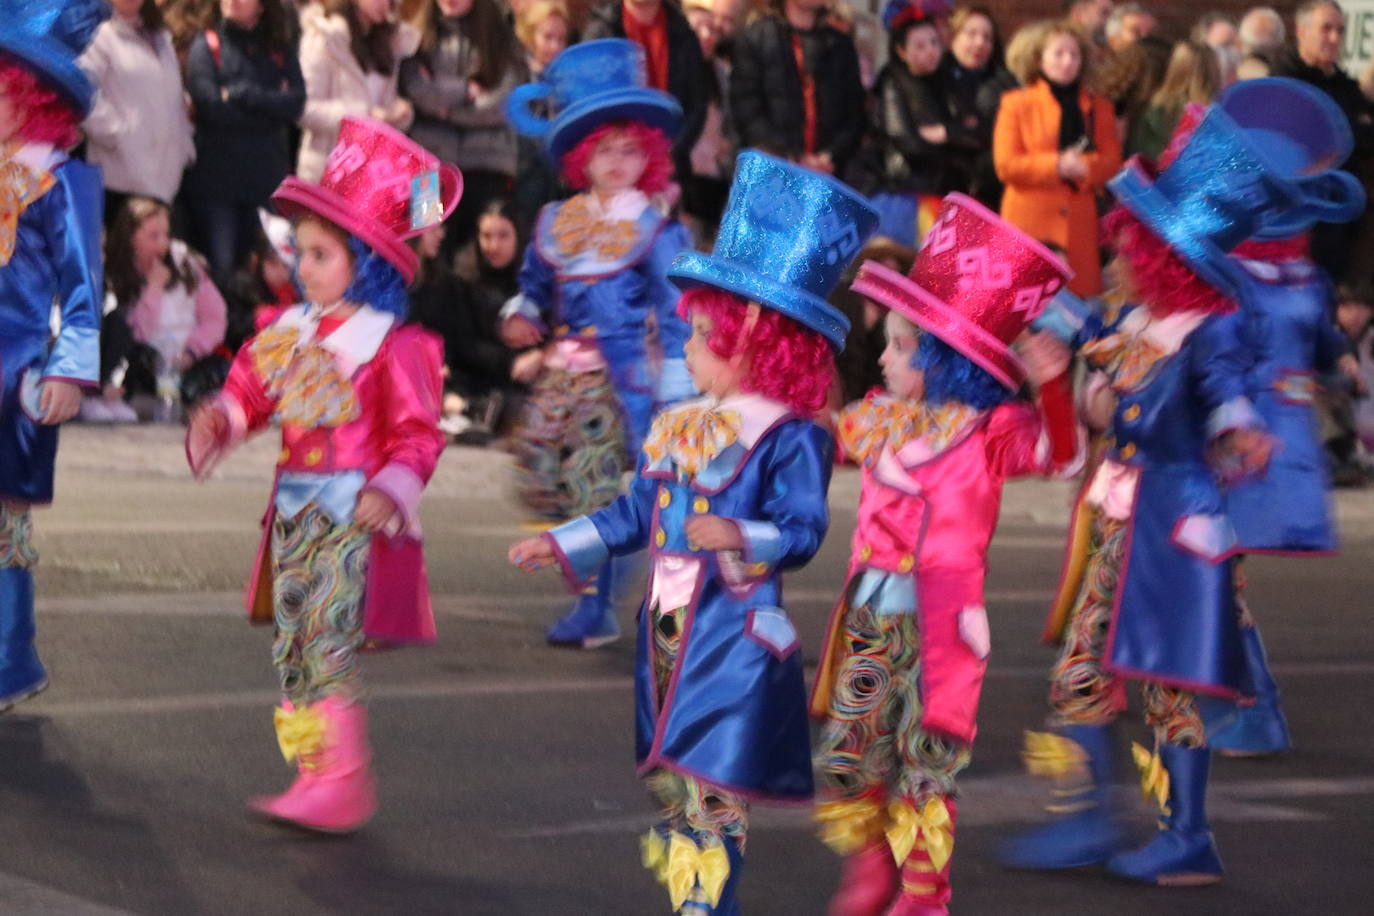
(934, 824)
(653, 847)
(848, 826)
(1048, 754)
(1154, 778)
(689, 864)
(300, 732)
(692, 436)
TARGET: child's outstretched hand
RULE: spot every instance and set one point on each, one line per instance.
(1046, 358)
(531, 554)
(711, 532)
(207, 430)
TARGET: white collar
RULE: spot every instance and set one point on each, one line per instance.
(40, 157)
(353, 343)
(1166, 333)
(624, 206)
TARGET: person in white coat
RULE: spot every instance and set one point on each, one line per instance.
(350, 53)
(138, 132)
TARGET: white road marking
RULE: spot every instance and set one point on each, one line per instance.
(1019, 799)
(21, 897)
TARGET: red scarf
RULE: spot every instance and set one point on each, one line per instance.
(808, 87)
(653, 38)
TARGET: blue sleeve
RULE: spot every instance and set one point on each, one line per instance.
(76, 204)
(674, 384)
(537, 285)
(584, 543)
(1219, 360)
(795, 514)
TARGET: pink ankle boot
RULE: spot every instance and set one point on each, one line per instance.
(339, 795)
(868, 881)
(268, 805)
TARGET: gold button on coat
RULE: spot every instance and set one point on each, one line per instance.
(865, 552)
(1131, 413)
(1128, 450)
(906, 563)
(314, 457)
(701, 505)
(664, 498)
(660, 538)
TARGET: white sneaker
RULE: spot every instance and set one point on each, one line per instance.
(94, 410)
(454, 423)
(120, 412)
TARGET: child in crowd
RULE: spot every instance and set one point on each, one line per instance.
(1355, 318)
(731, 491)
(356, 395)
(164, 322)
(908, 643)
(594, 291)
(49, 257)
(265, 282)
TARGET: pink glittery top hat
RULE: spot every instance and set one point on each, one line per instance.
(976, 284)
(380, 186)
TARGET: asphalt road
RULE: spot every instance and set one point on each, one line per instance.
(505, 767)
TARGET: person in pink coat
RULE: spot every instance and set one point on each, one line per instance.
(907, 646)
(357, 397)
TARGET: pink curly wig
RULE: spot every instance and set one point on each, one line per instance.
(45, 116)
(788, 362)
(1161, 279)
(658, 174)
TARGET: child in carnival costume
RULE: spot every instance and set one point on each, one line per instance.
(594, 290)
(356, 394)
(1152, 594)
(907, 645)
(1287, 301)
(50, 221)
(730, 491)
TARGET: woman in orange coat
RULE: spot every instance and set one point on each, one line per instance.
(1054, 147)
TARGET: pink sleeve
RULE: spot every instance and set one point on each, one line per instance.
(414, 392)
(246, 407)
(210, 315)
(1022, 440)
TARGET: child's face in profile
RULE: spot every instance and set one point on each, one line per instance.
(710, 373)
(324, 263)
(903, 379)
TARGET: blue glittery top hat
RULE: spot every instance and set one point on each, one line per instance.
(588, 85)
(48, 36)
(1260, 163)
(786, 237)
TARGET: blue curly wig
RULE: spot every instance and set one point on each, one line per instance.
(375, 281)
(951, 377)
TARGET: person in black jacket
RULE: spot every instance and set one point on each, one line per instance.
(912, 156)
(973, 79)
(1316, 60)
(681, 73)
(245, 82)
(812, 114)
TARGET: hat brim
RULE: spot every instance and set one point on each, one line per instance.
(1134, 188)
(648, 106)
(693, 270)
(55, 65)
(899, 293)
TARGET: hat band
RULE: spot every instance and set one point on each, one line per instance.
(900, 294)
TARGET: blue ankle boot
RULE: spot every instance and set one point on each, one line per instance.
(1183, 853)
(1087, 833)
(1255, 730)
(591, 623)
(21, 673)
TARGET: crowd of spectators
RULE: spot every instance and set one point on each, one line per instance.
(205, 105)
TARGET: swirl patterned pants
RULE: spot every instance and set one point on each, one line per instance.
(872, 743)
(319, 571)
(689, 804)
(1082, 691)
(16, 538)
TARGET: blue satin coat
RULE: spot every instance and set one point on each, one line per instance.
(735, 711)
(626, 302)
(56, 259)
(1175, 619)
(1289, 329)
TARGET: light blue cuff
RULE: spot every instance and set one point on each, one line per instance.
(762, 541)
(335, 494)
(889, 594)
(1064, 316)
(674, 383)
(580, 549)
(521, 305)
(1237, 413)
(75, 356)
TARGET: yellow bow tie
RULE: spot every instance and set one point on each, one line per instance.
(692, 436)
(867, 425)
(19, 187)
(1154, 778)
(678, 862)
(300, 733)
(848, 826)
(303, 379)
(935, 826)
